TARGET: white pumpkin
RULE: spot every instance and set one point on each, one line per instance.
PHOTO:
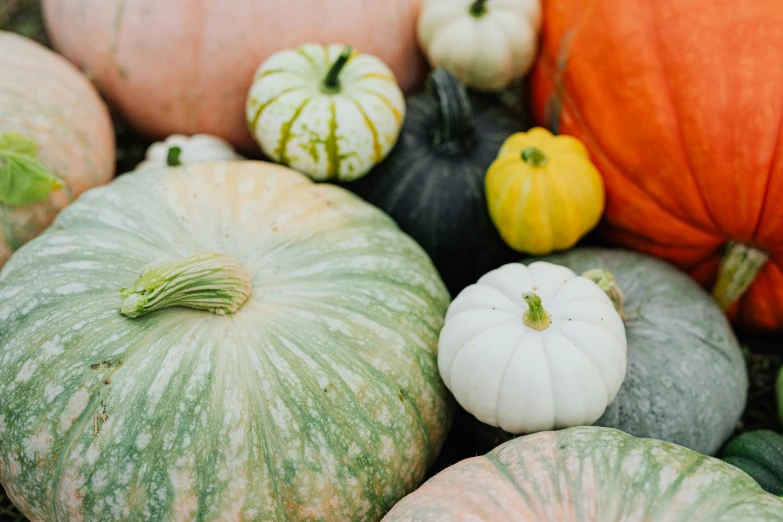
(533, 348)
(185, 150)
(325, 110)
(486, 43)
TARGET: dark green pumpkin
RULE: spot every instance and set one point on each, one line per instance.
(686, 381)
(760, 455)
(432, 183)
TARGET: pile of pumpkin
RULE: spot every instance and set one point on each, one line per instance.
(215, 338)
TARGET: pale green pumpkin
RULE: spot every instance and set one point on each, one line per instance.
(325, 110)
(318, 399)
(589, 474)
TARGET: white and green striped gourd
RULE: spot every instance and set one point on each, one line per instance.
(326, 111)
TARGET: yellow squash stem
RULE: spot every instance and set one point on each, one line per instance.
(534, 157)
(535, 316)
(738, 269)
(213, 282)
(606, 282)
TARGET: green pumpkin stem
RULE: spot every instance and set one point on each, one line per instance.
(478, 8)
(535, 316)
(534, 157)
(213, 282)
(331, 83)
(172, 157)
(455, 132)
(606, 282)
(738, 269)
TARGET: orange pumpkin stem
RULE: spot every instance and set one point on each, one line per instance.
(738, 269)
(535, 316)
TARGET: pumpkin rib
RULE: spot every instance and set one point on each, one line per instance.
(772, 163)
(589, 136)
(264, 421)
(267, 103)
(655, 36)
(80, 425)
(376, 145)
(285, 133)
(553, 121)
(504, 472)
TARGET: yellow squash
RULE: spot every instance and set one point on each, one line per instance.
(543, 192)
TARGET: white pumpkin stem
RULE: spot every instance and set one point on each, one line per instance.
(738, 269)
(606, 282)
(172, 156)
(331, 83)
(213, 282)
(535, 316)
(478, 8)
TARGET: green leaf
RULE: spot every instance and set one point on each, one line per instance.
(23, 178)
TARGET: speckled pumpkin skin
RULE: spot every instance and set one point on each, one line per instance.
(589, 474)
(184, 66)
(46, 99)
(686, 381)
(319, 400)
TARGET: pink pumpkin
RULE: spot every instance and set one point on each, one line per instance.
(589, 474)
(185, 66)
(47, 100)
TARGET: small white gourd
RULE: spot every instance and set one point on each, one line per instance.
(184, 150)
(487, 44)
(533, 348)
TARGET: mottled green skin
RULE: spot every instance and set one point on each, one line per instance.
(760, 455)
(589, 474)
(319, 400)
(686, 381)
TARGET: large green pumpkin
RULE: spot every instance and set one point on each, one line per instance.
(686, 381)
(589, 474)
(319, 399)
(432, 183)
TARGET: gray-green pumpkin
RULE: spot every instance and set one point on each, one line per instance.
(686, 381)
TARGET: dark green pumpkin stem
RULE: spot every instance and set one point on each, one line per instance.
(738, 269)
(213, 282)
(534, 157)
(478, 8)
(535, 316)
(331, 83)
(606, 282)
(172, 157)
(455, 132)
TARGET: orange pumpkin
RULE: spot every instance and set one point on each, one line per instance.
(680, 104)
(43, 98)
(185, 67)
